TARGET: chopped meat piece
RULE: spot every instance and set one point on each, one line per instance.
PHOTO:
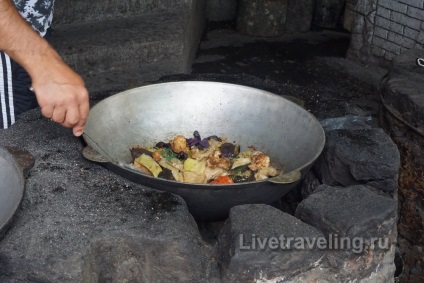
(215, 160)
(157, 155)
(266, 172)
(179, 144)
(259, 161)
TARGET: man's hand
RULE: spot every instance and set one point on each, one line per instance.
(62, 96)
(60, 92)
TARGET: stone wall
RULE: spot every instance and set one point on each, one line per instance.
(383, 29)
(403, 118)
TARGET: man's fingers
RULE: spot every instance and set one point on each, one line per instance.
(72, 117)
(47, 111)
(84, 109)
(59, 115)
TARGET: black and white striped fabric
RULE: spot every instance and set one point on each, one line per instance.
(15, 96)
(7, 117)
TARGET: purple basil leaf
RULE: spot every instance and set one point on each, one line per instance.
(197, 135)
(192, 142)
(214, 138)
(204, 143)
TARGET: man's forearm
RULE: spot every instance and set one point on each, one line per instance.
(60, 92)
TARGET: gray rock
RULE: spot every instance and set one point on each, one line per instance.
(309, 184)
(299, 15)
(362, 229)
(349, 212)
(240, 255)
(352, 157)
(78, 221)
(263, 18)
(327, 12)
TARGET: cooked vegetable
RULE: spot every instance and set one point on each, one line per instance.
(223, 180)
(142, 168)
(166, 174)
(197, 141)
(229, 150)
(189, 163)
(194, 177)
(240, 162)
(167, 153)
(136, 151)
(163, 145)
(242, 179)
(182, 155)
(150, 164)
(197, 160)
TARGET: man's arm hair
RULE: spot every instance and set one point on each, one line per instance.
(21, 42)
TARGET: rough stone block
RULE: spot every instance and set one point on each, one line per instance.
(401, 40)
(364, 7)
(377, 51)
(411, 33)
(82, 11)
(414, 3)
(76, 216)
(389, 56)
(386, 44)
(394, 5)
(299, 15)
(381, 32)
(361, 229)
(416, 13)
(405, 20)
(327, 12)
(383, 12)
(353, 157)
(264, 18)
(221, 10)
(358, 24)
(150, 45)
(351, 212)
(387, 24)
(241, 262)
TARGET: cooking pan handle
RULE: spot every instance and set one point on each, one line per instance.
(91, 154)
(287, 178)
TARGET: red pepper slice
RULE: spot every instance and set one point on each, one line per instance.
(223, 180)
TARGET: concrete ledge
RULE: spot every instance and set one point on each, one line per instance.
(79, 11)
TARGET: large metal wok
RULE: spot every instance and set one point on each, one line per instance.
(12, 185)
(143, 116)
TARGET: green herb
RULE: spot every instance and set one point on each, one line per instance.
(167, 153)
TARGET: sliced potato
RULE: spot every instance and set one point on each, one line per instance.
(150, 164)
(193, 177)
(189, 163)
(240, 162)
(194, 165)
(142, 168)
